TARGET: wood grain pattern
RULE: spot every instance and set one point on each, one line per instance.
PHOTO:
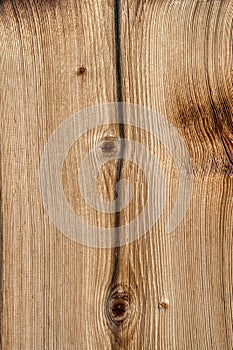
(161, 291)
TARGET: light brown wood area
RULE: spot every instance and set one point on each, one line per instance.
(162, 291)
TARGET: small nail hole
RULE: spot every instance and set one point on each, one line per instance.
(81, 70)
(163, 304)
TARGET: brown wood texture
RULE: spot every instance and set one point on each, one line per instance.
(163, 291)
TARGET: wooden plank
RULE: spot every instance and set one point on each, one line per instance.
(53, 288)
(177, 60)
(162, 291)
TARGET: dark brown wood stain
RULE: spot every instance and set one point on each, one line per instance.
(215, 120)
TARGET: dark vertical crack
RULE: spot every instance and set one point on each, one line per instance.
(119, 301)
(117, 6)
(120, 116)
(1, 249)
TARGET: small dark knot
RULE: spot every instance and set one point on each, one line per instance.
(119, 308)
(163, 304)
(109, 146)
(82, 70)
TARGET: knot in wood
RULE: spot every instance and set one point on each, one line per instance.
(81, 70)
(163, 304)
(119, 308)
(109, 146)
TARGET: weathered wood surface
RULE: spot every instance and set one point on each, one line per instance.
(161, 291)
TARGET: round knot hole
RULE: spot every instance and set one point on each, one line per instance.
(119, 309)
